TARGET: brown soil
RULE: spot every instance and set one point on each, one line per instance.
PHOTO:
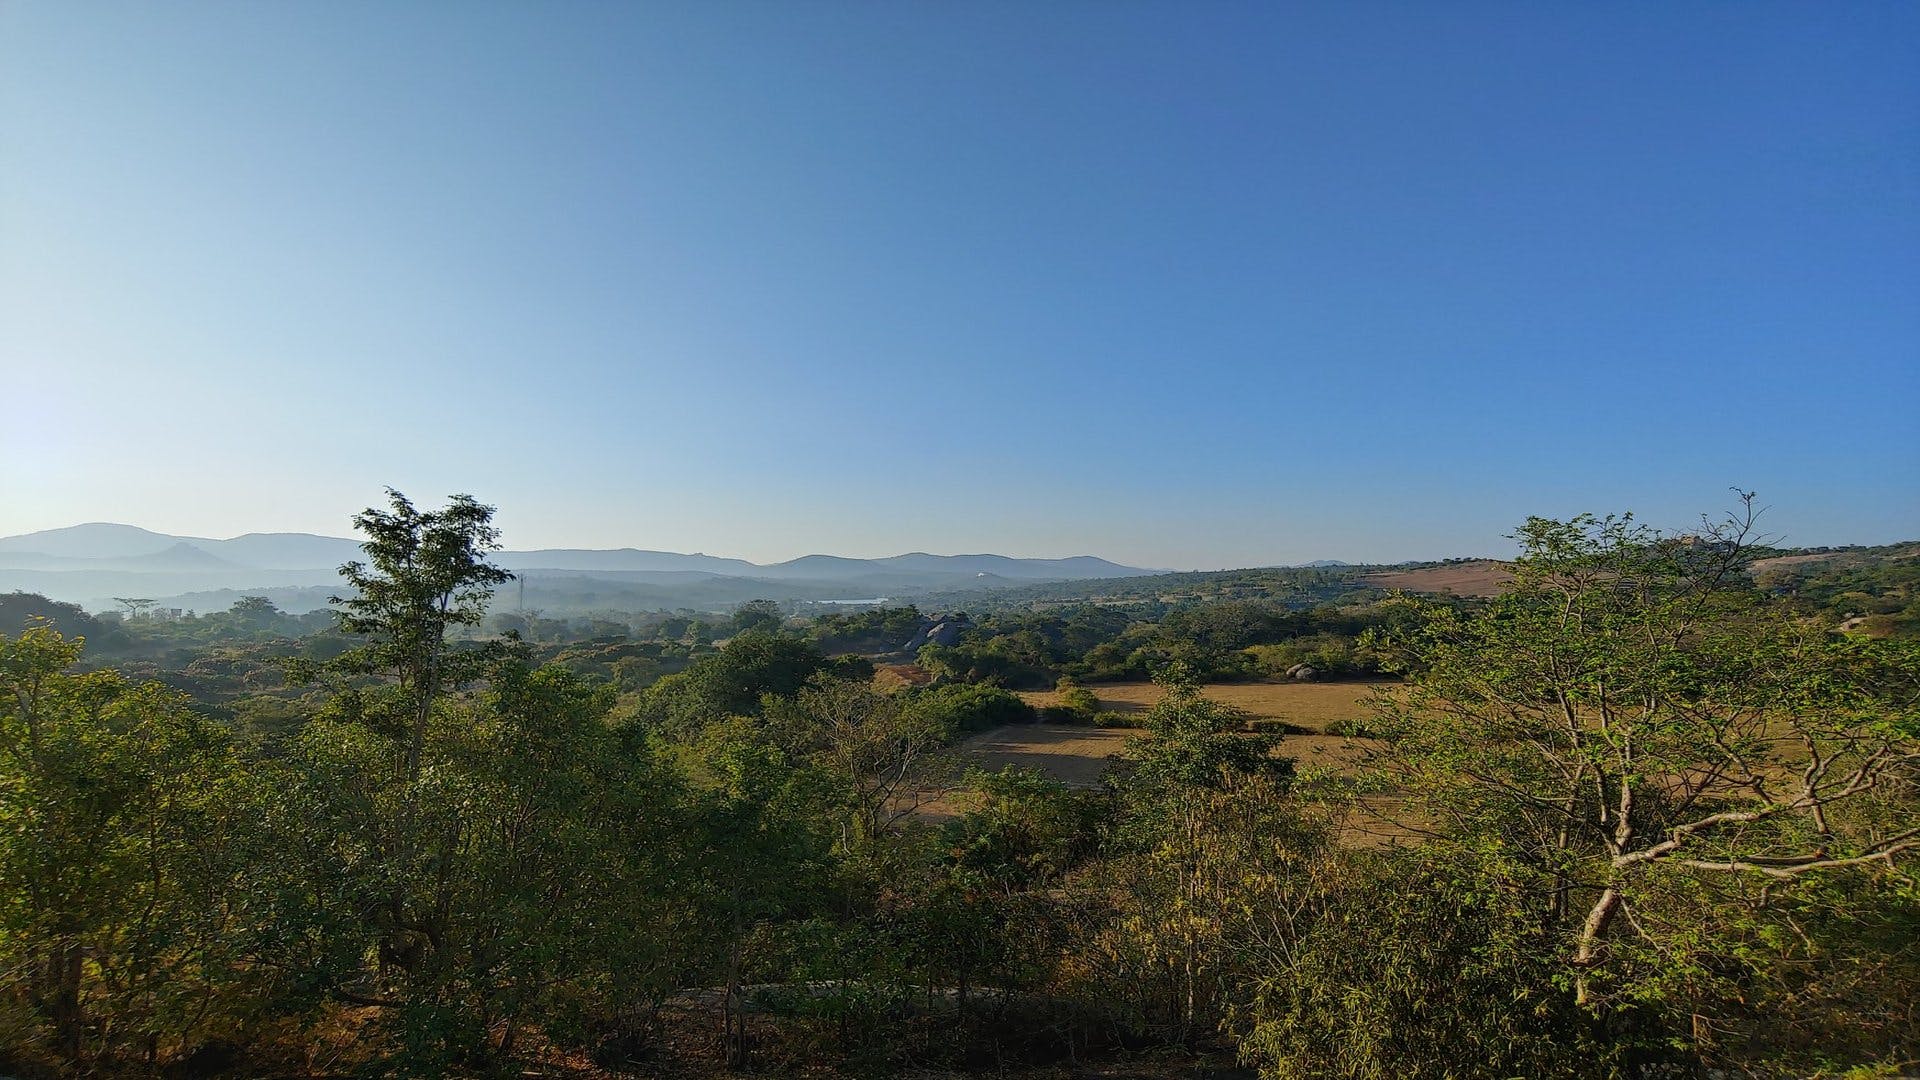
(1310, 705)
(1482, 577)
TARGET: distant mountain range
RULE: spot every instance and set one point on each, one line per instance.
(90, 564)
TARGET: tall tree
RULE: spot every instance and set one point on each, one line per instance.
(426, 572)
(388, 837)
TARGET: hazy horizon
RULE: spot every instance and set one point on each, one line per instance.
(1498, 547)
(1172, 285)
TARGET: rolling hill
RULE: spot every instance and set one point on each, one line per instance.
(90, 564)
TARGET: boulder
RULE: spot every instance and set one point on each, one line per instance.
(938, 631)
(946, 633)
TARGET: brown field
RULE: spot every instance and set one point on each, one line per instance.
(1074, 756)
(1077, 756)
(1482, 577)
(1310, 705)
(894, 676)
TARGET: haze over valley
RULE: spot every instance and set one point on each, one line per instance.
(93, 563)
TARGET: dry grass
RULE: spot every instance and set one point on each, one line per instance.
(1078, 756)
(897, 676)
(1481, 577)
(1075, 756)
(1313, 706)
(1310, 705)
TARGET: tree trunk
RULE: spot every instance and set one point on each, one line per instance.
(65, 965)
(1587, 953)
(733, 1024)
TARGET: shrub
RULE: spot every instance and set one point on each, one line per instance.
(1080, 701)
(968, 709)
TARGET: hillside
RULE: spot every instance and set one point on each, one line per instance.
(89, 564)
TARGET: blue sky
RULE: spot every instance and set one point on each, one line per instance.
(1178, 284)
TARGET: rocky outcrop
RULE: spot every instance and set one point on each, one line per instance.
(942, 630)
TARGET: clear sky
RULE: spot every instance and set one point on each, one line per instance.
(1179, 284)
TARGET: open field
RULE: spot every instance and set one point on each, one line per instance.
(1481, 577)
(1077, 756)
(1074, 756)
(1311, 705)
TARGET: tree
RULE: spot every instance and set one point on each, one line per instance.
(733, 681)
(117, 811)
(757, 615)
(882, 757)
(426, 572)
(763, 854)
(385, 837)
(1633, 730)
(555, 881)
(135, 605)
(256, 613)
(1193, 743)
(1182, 786)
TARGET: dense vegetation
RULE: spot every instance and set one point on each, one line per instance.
(1645, 814)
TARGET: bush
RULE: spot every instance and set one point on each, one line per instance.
(1411, 964)
(1332, 655)
(968, 709)
(1080, 701)
(1077, 705)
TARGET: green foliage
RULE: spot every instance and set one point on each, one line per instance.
(1077, 705)
(1333, 656)
(1197, 888)
(426, 573)
(21, 611)
(964, 709)
(1646, 819)
(117, 813)
(732, 682)
(1419, 964)
(879, 754)
(762, 615)
(1028, 832)
(1643, 738)
(875, 630)
(1194, 743)
(485, 862)
(763, 849)
(1877, 588)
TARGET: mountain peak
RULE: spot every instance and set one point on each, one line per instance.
(93, 540)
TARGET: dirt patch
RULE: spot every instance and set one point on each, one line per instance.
(1074, 756)
(895, 676)
(1079, 756)
(1310, 705)
(1482, 577)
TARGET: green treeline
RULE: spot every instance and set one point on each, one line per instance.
(1635, 817)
